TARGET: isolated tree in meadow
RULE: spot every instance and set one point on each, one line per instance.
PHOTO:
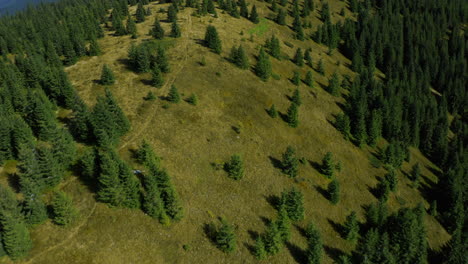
(175, 30)
(308, 57)
(272, 111)
(225, 237)
(296, 98)
(328, 165)
(192, 99)
(292, 115)
(157, 79)
(293, 202)
(281, 17)
(343, 124)
(212, 40)
(273, 47)
(239, 57)
(107, 76)
(64, 212)
(162, 61)
(351, 227)
(254, 15)
(321, 67)
(284, 224)
(235, 167)
(296, 79)
(290, 163)
(140, 13)
(131, 27)
(272, 239)
(263, 67)
(309, 79)
(171, 14)
(299, 58)
(314, 249)
(157, 31)
(334, 191)
(173, 95)
(334, 85)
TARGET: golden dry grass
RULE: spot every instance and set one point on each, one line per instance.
(190, 138)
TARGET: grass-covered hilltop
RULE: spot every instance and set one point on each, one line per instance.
(234, 131)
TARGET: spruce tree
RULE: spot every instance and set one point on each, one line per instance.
(157, 77)
(272, 111)
(140, 13)
(309, 79)
(131, 28)
(299, 58)
(308, 57)
(107, 76)
(63, 211)
(334, 85)
(351, 227)
(273, 46)
(152, 202)
(157, 31)
(94, 49)
(296, 98)
(244, 12)
(281, 17)
(171, 14)
(320, 67)
(314, 250)
(284, 224)
(263, 67)
(175, 30)
(34, 210)
(328, 165)
(239, 57)
(296, 79)
(292, 115)
(254, 15)
(193, 99)
(259, 248)
(173, 95)
(334, 191)
(162, 61)
(290, 163)
(15, 235)
(343, 124)
(225, 237)
(235, 167)
(293, 202)
(212, 40)
(272, 239)
(392, 179)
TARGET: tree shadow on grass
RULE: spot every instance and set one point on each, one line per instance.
(322, 191)
(14, 181)
(273, 200)
(275, 162)
(301, 230)
(297, 253)
(283, 116)
(333, 253)
(317, 166)
(337, 227)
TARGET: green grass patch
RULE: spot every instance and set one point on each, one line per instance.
(260, 28)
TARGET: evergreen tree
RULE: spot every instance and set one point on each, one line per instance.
(173, 95)
(298, 58)
(140, 13)
(117, 25)
(94, 49)
(162, 61)
(272, 111)
(263, 67)
(343, 124)
(416, 173)
(253, 15)
(15, 236)
(290, 163)
(314, 249)
(284, 224)
(63, 211)
(273, 47)
(34, 210)
(235, 167)
(41, 117)
(309, 79)
(296, 98)
(239, 57)
(131, 27)
(259, 248)
(171, 14)
(244, 12)
(320, 67)
(146, 156)
(308, 58)
(281, 17)
(334, 191)
(157, 31)
(334, 85)
(272, 239)
(175, 30)
(107, 76)
(297, 28)
(296, 79)
(193, 99)
(328, 165)
(351, 227)
(212, 40)
(152, 202)
(392, 180)
(293, 203)
(157, 77)
(225, 237)
(292, 116)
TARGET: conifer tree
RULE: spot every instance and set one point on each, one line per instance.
(193, 99)
(146, 156)
(296, 98)
(152, 202)
(157, 77)
(296, 79)
(299, 58)
(292, 116)
(171, 14)
(328, 165)
(320, 67)
(284, 224)
(63, 211)
(117, 25)
(225, 237)
(107, 76)
(140, 13)
(272, 111)
(334, 191)
(15, 236)
(131, 27)
(34, 210)
(235, 167)
(259, 248)
(157, 31)
(351, 227)
(175, 30)
(263, 67)
(41, 117)
(309, 79)
(290, 163)
(293, 202)
(297, 28)
(281, 17)
(314, 250)
(343, 124)
(169, 195)
(244, 12)
(162, 61)
(239, 57)
(392, 180)
(212, 40)
(272, 239)
(308, 57)
(173, 95)
(273, 47)
(416, 173)
(254, 15)
(94, 49)
(334, 85)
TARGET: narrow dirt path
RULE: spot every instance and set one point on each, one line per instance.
(172, 77)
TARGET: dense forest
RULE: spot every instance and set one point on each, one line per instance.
(409, 89)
